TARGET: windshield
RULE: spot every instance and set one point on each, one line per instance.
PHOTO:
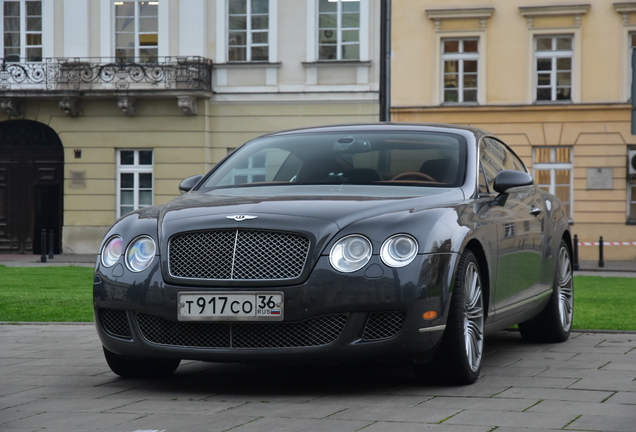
(429, 159)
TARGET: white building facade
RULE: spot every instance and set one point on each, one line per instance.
(107, 105)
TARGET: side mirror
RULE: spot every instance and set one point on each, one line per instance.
(187, 184)
(509, 179)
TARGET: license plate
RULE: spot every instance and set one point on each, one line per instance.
(231, 306)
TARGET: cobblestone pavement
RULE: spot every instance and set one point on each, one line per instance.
(54, 378)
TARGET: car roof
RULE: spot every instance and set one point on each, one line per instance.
(387, 126)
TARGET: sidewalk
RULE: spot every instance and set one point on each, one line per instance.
(54, 378)
(26, 260)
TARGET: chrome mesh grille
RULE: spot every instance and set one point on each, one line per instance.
(312, 332)
(115, 323)
(238, 255)
(383, 325)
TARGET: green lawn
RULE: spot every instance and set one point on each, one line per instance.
(604, 303)
(46, 294)
(58, 294)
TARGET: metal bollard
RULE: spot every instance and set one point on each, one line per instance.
(575, 252)
(43, 246)
(601, 261)
(51, 239)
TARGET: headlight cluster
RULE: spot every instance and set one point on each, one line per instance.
(353, 252)
(138, 256)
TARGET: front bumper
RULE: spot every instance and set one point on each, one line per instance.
(375, 313)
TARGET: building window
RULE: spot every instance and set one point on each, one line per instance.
(553, 171)
(553, 68)
(339, 30)
(22, 29)
(136, 31)
(134, 175)
(248, 30)
(460, 58)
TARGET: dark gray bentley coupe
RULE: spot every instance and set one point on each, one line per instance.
(340, 243)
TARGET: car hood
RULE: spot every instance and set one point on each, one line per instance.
(340, 205)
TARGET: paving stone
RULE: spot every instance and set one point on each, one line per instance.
(627, 398)
(584, 408)
(556, 394)
(485, 404)
(602, 423)
(417, 414)
(472, 417)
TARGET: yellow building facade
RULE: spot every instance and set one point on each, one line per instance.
(553, 80)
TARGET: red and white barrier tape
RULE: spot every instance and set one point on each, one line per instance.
(608, 243)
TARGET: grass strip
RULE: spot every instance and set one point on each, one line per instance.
(46, 294)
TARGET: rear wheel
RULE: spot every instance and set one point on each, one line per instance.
(140, 367)
(554, 322)
(458, 359)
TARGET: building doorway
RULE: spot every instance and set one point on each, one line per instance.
(31, 186)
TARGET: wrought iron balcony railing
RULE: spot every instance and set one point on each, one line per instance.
(104, 74)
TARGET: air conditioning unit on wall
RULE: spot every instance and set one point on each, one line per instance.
(631, 161)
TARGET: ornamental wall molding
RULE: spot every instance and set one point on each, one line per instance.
(625, 8)
(482, 14)
(70, 106)
(128, 105)
(577, 11)
(12, 106)
(188, 105)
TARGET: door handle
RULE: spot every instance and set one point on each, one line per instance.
(535, 211)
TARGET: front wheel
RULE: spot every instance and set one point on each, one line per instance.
(458, 359)
(140, 367)
(554, 323)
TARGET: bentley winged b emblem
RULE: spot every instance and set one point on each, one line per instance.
(240, 218)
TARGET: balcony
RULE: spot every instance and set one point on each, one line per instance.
(104, 74)
(72, 78)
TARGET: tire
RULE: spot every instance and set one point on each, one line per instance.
(554, 322)
(458, 358)
(140, 367)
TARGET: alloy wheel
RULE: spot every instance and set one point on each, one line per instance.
(473, 316)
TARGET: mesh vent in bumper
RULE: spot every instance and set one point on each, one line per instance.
(383, 325)
(312, 332)
(238, 255)
(115, 323)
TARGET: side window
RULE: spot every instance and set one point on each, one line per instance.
(492, 159)
(510, 160)
(483, 183)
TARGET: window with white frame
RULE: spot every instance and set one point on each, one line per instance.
(460, 60)
(248, 30)
(553, 68)
(22, 30)
(134, 180)
(339, 30)
(553, 170)
(136, 30)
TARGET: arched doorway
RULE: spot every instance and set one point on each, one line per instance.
(31, 186)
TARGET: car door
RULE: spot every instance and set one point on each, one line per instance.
(519, 220)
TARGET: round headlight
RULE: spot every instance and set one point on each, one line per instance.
(350, 253)
(399, 250)
(112, 251)
(140, 253)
